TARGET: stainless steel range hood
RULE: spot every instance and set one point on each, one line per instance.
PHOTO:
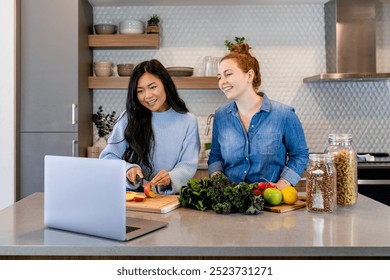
(350, 38)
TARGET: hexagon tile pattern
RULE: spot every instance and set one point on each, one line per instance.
(289, 41)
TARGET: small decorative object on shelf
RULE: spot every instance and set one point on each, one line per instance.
(104, 124)
(238, 40)
(153, 27)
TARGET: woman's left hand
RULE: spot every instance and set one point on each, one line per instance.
(161, 179)
(282, 183)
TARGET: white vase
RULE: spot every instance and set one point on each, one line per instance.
(101, 143)
(97, 148)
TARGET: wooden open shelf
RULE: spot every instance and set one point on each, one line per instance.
(139, 41)
(181, 82)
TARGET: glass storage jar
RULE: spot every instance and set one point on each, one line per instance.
(321, 192)
(345, 160)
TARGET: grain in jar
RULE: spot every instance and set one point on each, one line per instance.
(345, 160)
(321, 184)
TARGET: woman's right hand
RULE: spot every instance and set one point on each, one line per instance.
(132, 173)
(215, 173)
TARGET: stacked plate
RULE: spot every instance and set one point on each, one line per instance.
(131, 26)
(180, 71)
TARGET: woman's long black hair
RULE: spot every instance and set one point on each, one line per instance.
(139, 133)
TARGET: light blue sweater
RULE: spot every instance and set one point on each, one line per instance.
(176, 148)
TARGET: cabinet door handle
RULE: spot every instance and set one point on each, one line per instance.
(74, 148)
(74, 107)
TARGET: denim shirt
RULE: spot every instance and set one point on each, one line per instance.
(274, 146)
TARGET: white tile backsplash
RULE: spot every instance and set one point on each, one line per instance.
(288, 40)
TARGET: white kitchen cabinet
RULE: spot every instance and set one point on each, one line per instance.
(55, 104)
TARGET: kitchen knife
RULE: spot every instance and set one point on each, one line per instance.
(143, 181)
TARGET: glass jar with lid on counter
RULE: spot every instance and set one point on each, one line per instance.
(321, 184)
(345, 160)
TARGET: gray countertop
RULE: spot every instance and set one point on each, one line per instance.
(361, 230)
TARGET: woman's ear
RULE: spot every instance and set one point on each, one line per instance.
(251, 75)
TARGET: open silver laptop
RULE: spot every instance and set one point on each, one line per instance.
(88, 195)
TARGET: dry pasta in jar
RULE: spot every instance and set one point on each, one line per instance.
(345, 161)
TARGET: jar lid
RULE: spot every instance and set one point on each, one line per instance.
(335, 137)
(321, 157)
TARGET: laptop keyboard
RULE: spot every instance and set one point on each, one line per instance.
(130, 229)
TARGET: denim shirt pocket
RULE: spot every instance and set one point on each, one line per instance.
(267, 144)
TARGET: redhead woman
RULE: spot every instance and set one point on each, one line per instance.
(254, 138)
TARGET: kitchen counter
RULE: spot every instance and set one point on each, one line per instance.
(362, 231)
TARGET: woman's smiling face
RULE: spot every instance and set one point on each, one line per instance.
(232, 80)
(151, 93)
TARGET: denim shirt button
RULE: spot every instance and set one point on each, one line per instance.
(245, 171)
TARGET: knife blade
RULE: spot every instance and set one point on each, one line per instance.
(143, 181)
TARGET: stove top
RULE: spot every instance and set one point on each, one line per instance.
(374, 158)
(375, 154)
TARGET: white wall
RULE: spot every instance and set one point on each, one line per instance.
(289, 41)
(7, 104)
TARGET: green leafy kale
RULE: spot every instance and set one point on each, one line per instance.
(194, 194)
(220, 195)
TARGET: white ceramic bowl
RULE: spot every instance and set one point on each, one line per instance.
(131, 31)
(131, 23)
(131, 26)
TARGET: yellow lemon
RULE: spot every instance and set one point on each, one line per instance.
(290, 195)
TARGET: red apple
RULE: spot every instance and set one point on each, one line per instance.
(130, 195)
(148, 190)
(139, 198)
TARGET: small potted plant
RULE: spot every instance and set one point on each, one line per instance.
(153, 25)
(238, 40)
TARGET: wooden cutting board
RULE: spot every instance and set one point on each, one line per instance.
(159, 204)
(285, 207)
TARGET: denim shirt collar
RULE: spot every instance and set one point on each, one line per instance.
(265, 105)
